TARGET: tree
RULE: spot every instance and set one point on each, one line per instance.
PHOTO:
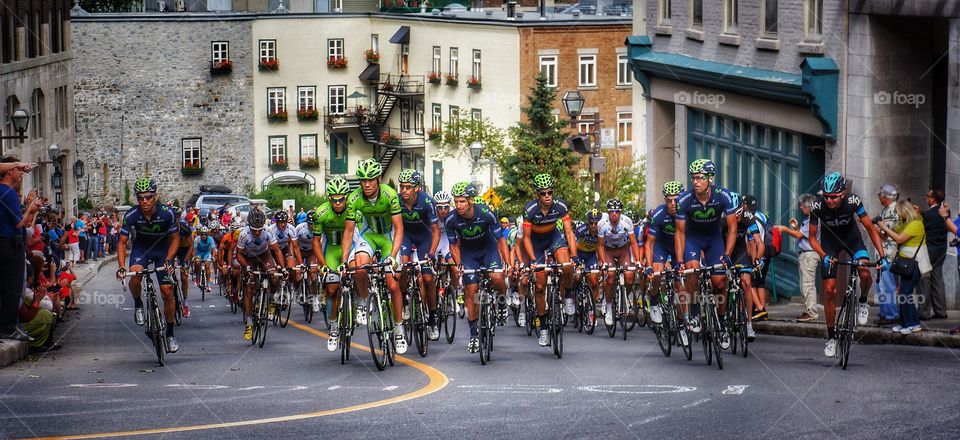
(463, 130)
(624, 179)
(276, 194)
(109, 5)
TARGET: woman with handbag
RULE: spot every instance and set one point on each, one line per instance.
(911, 262)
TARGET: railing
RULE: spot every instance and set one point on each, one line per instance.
(395, 138)
(350, 117)
(397, 84)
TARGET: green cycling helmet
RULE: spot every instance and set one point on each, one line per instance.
(543, 181)
(145, 185)
(338, 186)
(463, 189)
(672, 188)
(410, 176)
(703, 166)
(369, 169)
(477, 200)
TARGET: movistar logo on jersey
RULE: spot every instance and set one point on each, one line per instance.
(704, 215)
(154, 227)
(411, 215)
(670, 228)
(472, 231)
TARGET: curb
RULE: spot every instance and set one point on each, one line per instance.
(13, 351)
(864, 335)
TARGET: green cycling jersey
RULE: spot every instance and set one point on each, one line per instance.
(328, 224)
(376, 215)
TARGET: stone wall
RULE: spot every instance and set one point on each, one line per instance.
(142, 86)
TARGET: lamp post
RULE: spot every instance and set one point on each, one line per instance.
(78, 172)
(573, 105)
(19, 119)
(476, 150)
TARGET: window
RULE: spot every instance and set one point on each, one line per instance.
(337, 100)
(404, 115)
(278, 150)
(588, 70)
(548, 68)
(813, 19)
(665, 14)
(308, 147)
(436, 117)
(624, 129)
(436, 60)
(276, 99)
(623, 70)
(418, 117)
(769, 18)
(12, 105)
(306, 98)
(696, 14)
(60, 97)
(731, 10)
(37, 103)
(220, 51)
(585, 123)
(268, 50)
(454, 61)
(190, 153)
(454, 114)
(335, 48)
(476, 63)
(476, 114)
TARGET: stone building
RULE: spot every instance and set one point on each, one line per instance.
(36, 75)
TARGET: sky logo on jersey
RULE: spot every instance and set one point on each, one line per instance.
(472, 231)
(704, 215)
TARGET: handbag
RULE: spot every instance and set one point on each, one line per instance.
(905, 266)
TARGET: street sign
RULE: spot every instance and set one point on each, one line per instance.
(607, 138)
(492, 198)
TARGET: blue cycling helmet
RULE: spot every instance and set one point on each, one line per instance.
(834, 183)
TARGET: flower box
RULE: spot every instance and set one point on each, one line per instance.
(279, 116)
(433, 78)
(435, 134)
(390, 139)
(308, 114)
(309, 164)
(221, 67)
(191, 168)
(269, 65)
(278, 165)
(372, 56)
(452, 80)
(336, 63)
(473, 83)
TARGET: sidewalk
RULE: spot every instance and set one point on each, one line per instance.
(935, 332)
(13, 351)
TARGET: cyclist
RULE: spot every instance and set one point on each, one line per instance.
(303, 235)
(203, 247)
(226, 259)
(746, 251)
(184, 257)
(257, 249)
(284, 233)
(660, 241)
(329, 221)
(616, 244)
(421, 236)
(155, 240)
(705, 207)
(833, 229)
(376, 208)
(476, 241)
(587, 239)
(541, 236)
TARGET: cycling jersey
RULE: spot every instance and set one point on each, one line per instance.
(615, 236)
(443, 246)
(304, 237)
(329, 225)
(586, 242)
(705, 218)
(203, 248)
(477, 237)
(375, 215)
(838, 231)
(253, 246)
(662, 228)
(283, 235)
(149, 232)
(533, 215)
(418, 220)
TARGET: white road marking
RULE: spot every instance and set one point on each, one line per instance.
(735, 389)
(390, 388)
(103, 385)
(637, 389)
(647, 420)
(286, 387)
(194, 386)
(333, 388)
(511, 389)
(691, 405)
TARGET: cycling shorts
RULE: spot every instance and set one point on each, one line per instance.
(206, 256)
(332, 255)
(617, 255)
(262, 262)
(182, 254)
(706, 249)
(155, 254)
(661, 254)
(369, 243)
(849, 242)
(549, 242)
(484, 257)
(418, 244)
(741, 256)
(589, 259)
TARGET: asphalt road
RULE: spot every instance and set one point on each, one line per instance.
(106, 380)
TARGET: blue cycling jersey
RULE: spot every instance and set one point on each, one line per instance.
(533, 215)
(476, 232)
(149, 232)
(203, 247)
(419, 219)
(662, 227)
(705, 218)
(586, 242)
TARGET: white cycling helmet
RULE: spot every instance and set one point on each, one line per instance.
(442, 198)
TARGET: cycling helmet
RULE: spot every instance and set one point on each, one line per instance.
(184, 227)
(737, 201)
(477, 200)
(310, 219)
(410, 176)
(463, 189)
(281, 217)
(543, 181)
(256, 219)
(614, 205)
(338, 186)
(834, 183)
(703, 166)
(203, 230)
(369, 169)
(594, 215)
(442, 198)
(672, 188)
(145, 185)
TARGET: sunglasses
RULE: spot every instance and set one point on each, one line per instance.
(443, 206)
(611, 211)
(145, 197)
(832, 196)
(338, 199)
(698, 177)
(545, 193)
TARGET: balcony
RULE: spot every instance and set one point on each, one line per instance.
(400, 85)
(351, 117)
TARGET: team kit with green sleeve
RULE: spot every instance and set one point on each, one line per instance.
(374, 230)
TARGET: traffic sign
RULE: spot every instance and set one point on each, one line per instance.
(607, 138)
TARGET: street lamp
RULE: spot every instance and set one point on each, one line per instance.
(53, 151)
(57, 179)
(19, 119)
(476, 150)
(573, 105)
(78, 169)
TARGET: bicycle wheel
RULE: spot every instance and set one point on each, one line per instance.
(418, 317)
(255, 318)
(623, 303)
(264, 312)
(375, 333)
(178, 307)
(285, 305)
(391, 339)
(631, 312)
(706, 334)
(531, 314)
(664, 330)
(203, 284)
(557, 330)
(484, 335)
(589, 313)
(450, 317)
(614, 310)
(717, 334)
(742, 322)
(846, 321)
(345, 326)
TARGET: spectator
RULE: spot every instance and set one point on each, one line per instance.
(72, 255)
(910, 235)
(93, 237)
(81, 227)
(37, 311)
(954, 227)
(114, 231)
(807, 259)
(301, 216)
(13, 244)
(102, 235)
(932, 293)
(887, 285)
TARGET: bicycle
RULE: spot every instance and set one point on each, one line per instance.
(554, 299)
(446, 300)
(283, 300)
(416, 326)
(487, 319)
(380, 323)
(585, 317)
(177, 294)
(261, 305)
(200, 277)
(529, 300)
(622, 306)
(710, 332)
(155, 324)
(736, 316)
(671, 331)
(846, 324)
(346, 319)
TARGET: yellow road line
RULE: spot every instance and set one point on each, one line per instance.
(438, 381)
